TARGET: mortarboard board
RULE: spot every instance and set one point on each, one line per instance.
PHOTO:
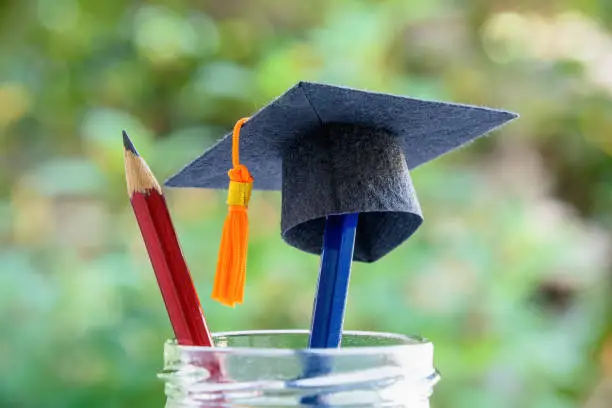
(336, 150)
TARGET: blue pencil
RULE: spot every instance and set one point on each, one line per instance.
(332, 288)
(330, 298)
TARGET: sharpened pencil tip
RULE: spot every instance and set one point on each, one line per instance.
(127, 143)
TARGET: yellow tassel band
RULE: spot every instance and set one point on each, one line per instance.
(239, 193)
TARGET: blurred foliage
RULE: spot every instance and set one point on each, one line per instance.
(509, 275)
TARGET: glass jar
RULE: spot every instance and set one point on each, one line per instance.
(275, 369)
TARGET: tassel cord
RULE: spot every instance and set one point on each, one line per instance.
(230, 277)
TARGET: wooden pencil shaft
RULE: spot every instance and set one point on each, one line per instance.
(170, 269)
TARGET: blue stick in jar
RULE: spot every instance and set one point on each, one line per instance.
(333, 284)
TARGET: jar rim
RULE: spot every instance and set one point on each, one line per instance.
(274, 366)
(404, 343)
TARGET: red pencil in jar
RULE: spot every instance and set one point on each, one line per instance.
(173, 277)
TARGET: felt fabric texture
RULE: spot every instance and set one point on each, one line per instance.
(348, 169)
(334, 150)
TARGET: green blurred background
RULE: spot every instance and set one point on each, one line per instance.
(509, 275)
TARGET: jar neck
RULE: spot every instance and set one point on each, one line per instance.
(385, 376)
(385, 387)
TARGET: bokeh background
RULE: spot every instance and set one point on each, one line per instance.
(509, 275)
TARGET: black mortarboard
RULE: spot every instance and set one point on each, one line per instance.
(334, 150)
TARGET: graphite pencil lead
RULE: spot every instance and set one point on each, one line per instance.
(128, 145)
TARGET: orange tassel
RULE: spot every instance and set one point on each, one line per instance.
(231, 264)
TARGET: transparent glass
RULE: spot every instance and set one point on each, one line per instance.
(275, 369)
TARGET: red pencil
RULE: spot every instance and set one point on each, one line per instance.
(178, 291)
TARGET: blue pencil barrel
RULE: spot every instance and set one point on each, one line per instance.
(332, 288)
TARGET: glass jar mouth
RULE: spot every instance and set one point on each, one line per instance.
(276, 365)
(354, 343)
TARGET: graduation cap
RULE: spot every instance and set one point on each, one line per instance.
(335, 150)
